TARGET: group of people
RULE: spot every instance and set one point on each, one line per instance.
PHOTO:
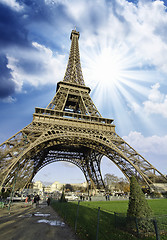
(107, 197)
(35, 200)
(82, 198)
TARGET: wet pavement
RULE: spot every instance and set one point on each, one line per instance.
(24, 222)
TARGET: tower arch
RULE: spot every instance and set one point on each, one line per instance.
(86, 152)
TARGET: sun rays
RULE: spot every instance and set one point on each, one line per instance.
(120, 84)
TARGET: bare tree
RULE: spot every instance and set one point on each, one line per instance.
(117, 183)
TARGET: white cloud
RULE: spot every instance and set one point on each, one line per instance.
(146, 25)
(140, 29)
(51, 67)
(155, 104)
(43, 49)
(152, 145)
(12, 4)
(78, 11)
(9, 99)
(16, 76)
(155, 95)
(55, 1)
(137, 32)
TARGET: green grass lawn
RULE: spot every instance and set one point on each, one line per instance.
(87, 218)
(109, 206)
(158, 206)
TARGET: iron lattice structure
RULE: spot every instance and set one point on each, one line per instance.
(70, 129)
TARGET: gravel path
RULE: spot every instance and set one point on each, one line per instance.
(24, 222)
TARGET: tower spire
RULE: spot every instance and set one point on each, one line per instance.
(73, 72)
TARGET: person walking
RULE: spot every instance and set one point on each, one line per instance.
(48, 201)
(37, 200)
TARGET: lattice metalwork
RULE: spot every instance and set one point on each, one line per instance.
(73, 99)
(74, 72)
(70, 129)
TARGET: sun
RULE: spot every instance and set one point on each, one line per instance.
(119, 81)
(108, 66)
(116, 72)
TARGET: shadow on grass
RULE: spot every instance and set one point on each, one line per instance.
(87, 222)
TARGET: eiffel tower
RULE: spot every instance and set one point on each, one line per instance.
(70, 129)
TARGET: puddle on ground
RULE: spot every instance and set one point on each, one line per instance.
(41, 214)
(52, 222)
(28, 215)
(37, 214)
(43, 206)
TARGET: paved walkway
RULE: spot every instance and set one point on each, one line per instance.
(27, 223)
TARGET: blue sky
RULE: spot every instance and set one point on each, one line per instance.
(123, 53)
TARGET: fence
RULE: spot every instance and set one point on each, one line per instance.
(142, 227)
(95, 224)
(162, 225)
